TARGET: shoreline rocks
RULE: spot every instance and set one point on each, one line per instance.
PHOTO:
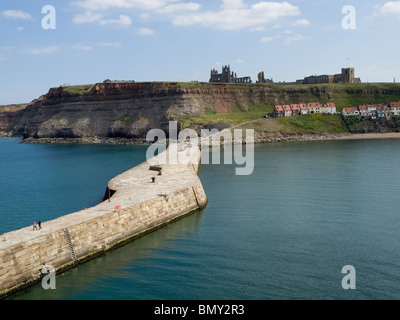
(260, 139)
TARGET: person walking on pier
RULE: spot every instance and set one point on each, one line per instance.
(40, 225)
(34, 225)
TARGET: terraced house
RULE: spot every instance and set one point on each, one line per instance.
(296, 111)
(314, 107)
(329, 108)
(278, 112)
(366, 112)
(351, 112)
(395, 108)
(288, 110)
(373, 111)
(303, 109)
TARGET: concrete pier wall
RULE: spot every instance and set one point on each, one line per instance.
(137, 207)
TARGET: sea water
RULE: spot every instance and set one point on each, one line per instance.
(284, 232)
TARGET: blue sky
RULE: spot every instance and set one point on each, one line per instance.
(182, 40)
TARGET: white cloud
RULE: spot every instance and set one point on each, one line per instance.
(16, 14)
(100, 5)
(90, 17)
(182, 6)
(259, 28)
(267, 39)
(20, 28)
(109, 44)
(301, 22)
(145, 32)
(238, 61)
(144, 16)
(44, 50)
(236, 15)
(294, 38)
(82, 47)
(87, 17)
(123, 20)
(391, 7)
(287, 36)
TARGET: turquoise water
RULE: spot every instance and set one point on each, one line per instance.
(43, 182)
(285, 232)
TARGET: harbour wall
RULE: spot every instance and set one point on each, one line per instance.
(142, 200)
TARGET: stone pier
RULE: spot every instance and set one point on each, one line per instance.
(137, 202)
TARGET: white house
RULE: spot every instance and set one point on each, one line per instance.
(329, 108)
(351, 112)
(395, 106)
(303, 109)
(314, 107)
(288, 110)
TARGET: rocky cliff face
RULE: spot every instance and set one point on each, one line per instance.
(130, 110)
(9, 114)
(126, 110)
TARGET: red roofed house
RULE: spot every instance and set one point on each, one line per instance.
(351, 112)
(303, 108)
(329, 108)
(365, 112)
(278, 112)
(288, 110)
(296, 111)
(373, 107)
(314, 107)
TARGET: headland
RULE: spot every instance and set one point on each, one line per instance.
(124, 112)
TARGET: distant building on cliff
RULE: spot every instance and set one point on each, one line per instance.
(261, 78)
(347, 76)
(227, 76)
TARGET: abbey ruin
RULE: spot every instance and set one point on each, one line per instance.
(227, 76)
(346, 76)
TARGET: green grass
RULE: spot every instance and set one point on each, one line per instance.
(313, 123)
(235, 118)
(252, 118)
(344, 95)
(78, 89)
(306, 124)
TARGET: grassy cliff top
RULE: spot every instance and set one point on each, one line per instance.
(344, 95)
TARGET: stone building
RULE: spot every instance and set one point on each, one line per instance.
(261, 78)
(347, 76)
(227, 76)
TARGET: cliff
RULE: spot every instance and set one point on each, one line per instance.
(130, 110)
(124, 110)
(9, 114)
